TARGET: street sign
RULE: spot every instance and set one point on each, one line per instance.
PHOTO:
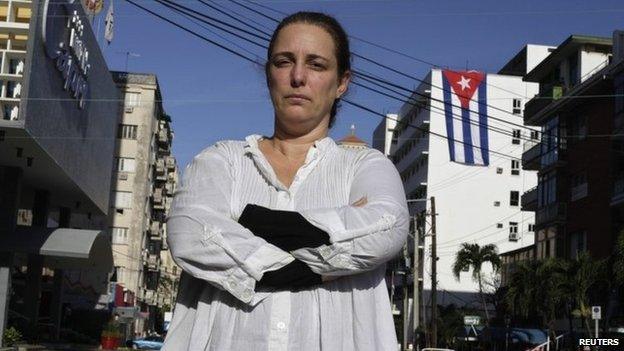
(472, 320)
(595, 312)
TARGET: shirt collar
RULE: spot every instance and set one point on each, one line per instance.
(251, 144)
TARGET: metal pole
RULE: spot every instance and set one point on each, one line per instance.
(434, 293)
(416, 277)
(405, 309)
(596, 327)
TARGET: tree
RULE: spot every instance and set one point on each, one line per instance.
(473, 256)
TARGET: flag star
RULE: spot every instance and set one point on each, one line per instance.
(464, 83)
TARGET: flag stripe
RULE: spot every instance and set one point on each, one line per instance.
(468, 154)
(448, 111)
(483, 121)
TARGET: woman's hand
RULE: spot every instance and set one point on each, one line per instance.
(361, 202)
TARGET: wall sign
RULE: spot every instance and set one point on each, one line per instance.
(64, 42)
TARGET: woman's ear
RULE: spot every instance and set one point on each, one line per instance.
(343, 85)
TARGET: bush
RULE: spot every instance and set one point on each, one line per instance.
(12, 336)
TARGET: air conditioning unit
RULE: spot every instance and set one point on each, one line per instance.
(129, 109)
(514, 236)
(122, 176)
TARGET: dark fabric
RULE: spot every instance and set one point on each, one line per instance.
(295, 275)
(287, 230)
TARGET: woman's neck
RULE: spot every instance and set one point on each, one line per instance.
(295, 147)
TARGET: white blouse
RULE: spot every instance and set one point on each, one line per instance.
(217, 306)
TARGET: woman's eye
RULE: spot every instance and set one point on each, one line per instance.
(281, 63)
(318, 65)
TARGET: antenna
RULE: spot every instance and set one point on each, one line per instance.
(128, 55)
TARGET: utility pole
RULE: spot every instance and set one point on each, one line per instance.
(434, 283)
(416, 278)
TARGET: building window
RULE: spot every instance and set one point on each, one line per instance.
(578, 186)
(535, 135)
(577, 128)
(123, 199)
(516, 133)
(578, 243)
(515, 167)
(496, 203)
(513, 231)
(531, 227)
(499, 170)
(119, 235)
(132, 99)
(124, 164)
(514, 198)
(499, 225)
(127, 131)
(517, 106)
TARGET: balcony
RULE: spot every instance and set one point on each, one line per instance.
(155, 232)
(618, 190)
(170, 162)
(548, 94)
(163, 136)
(529, 200)
(158, 199)
(531, 156)
(159, 169)
(152, 262)
(550, 214)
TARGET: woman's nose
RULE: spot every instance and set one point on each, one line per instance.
(298, 75)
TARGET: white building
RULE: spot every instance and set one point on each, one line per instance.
(474, 204)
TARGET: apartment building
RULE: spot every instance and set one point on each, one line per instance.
(145, 176)
(474, 204)
(54, 142)
(577, 200)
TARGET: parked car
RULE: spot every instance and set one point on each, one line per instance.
(147, 343)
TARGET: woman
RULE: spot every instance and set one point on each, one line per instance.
(283, 240)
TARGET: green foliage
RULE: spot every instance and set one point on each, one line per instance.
(12, 336)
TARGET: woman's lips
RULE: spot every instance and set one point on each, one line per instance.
(297, 98)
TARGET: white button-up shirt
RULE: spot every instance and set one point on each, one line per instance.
(218, 307)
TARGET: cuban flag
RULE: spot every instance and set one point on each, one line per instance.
(465, 109)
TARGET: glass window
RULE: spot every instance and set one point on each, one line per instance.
(514, 198)
(132, 99)
(125, 164)
(516, 134)
(515, 167)
(127, 131)
(517, 106)
(119, 235)
(123, 199)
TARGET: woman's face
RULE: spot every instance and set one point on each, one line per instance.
(303, 77)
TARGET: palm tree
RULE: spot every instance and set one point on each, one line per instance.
(473, 256)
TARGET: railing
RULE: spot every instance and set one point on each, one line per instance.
(548, 94)
(552, 212)
(531, 155)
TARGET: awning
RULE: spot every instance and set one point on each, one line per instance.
(63, 248)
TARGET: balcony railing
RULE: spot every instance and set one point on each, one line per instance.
(531, 156)
(618, 190)
(551, 213)
(155, 230)
(532, 107)
(170, 162)
(529, 200)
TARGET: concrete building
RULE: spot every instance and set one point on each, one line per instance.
(145, 176)
(578, 172)
(58, 113)
(474, 204)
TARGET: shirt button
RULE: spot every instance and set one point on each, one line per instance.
(325, 251)
(232, 284)
(246, 294)
(281, 325)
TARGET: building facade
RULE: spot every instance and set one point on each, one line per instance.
(474, 204)
(55, 140)
(145, 177)
(578, 172)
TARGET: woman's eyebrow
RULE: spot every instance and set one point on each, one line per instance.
(315, 56)
(287, 54)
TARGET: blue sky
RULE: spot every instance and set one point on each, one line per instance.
(212, 95)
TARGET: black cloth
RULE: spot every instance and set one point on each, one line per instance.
(289, 231)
